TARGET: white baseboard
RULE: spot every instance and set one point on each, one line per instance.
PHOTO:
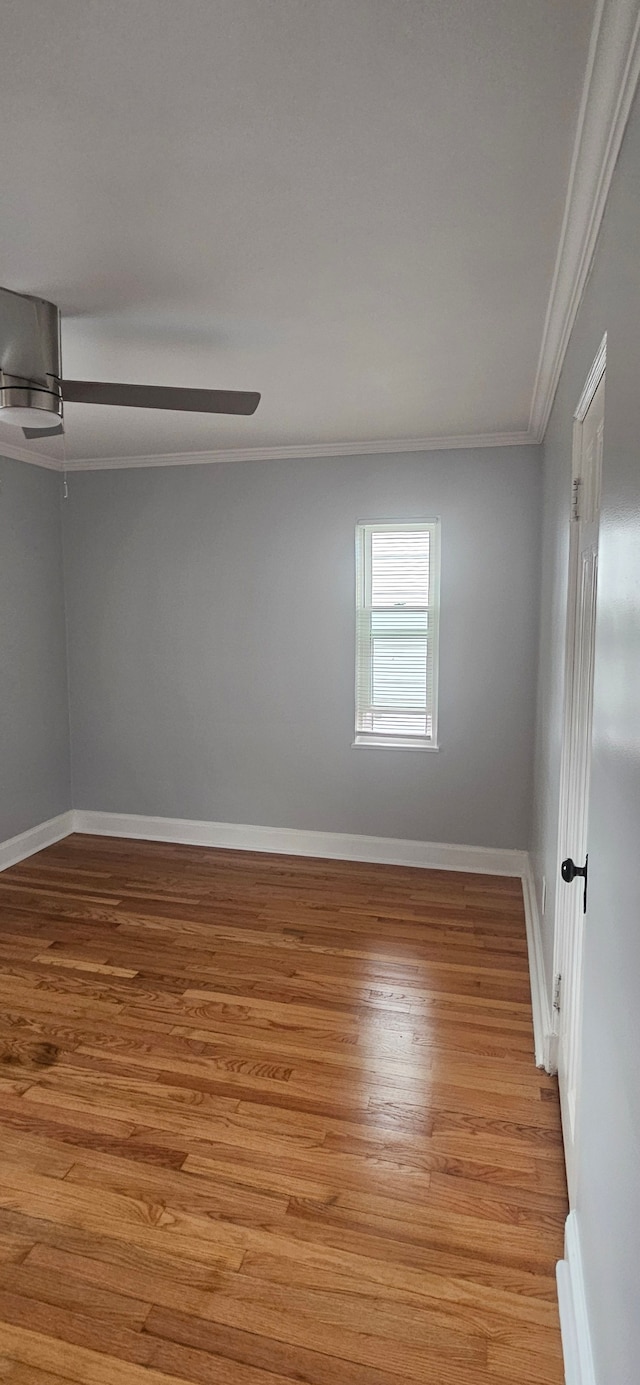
(34, 839)
(290, 841)
(574, 1320)
(544, 1038)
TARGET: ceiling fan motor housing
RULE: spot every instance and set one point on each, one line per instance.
(30, 360)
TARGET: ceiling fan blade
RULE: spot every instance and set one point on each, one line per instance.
(43, 432)
(160, 397)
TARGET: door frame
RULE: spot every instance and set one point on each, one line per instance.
(571, 816)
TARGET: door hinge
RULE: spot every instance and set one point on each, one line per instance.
(556, 992)
(575, 497)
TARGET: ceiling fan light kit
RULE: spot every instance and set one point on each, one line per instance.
(25, 407)
(33, 392)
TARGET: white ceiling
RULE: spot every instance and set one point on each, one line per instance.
(353, 206)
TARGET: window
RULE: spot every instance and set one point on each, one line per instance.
(397, 600)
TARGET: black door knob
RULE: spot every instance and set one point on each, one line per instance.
(569, 870)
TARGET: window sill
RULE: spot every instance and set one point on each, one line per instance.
(395, 743)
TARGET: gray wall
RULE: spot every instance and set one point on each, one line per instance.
(608, 1196)
(34, 716)
(211, 642)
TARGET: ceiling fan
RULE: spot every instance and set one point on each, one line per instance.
(33, 392)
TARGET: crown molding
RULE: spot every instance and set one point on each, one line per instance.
(278, 454)
(26, 454)
(610, 83)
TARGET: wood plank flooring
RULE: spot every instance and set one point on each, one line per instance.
(267, 1120)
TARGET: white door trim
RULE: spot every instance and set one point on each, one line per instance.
(567, 826)
(586, 398)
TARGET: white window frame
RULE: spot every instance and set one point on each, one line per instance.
(364, 530)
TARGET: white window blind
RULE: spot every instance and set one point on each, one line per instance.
(397, 599)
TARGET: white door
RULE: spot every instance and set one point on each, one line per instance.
(572, 894)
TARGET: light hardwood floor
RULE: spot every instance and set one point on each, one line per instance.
(267, 1120)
